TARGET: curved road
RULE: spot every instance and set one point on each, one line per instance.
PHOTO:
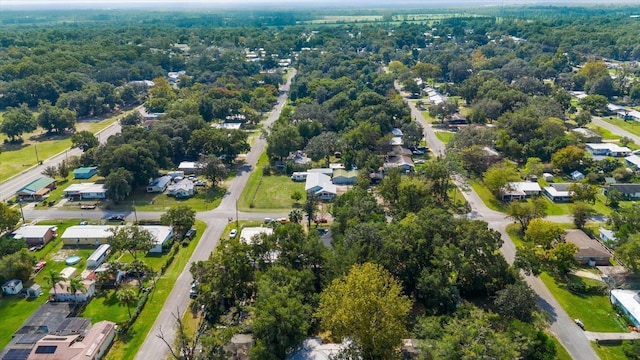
(563, 327)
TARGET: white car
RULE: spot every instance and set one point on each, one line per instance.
(233, 233)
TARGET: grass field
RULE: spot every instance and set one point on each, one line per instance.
(487, 197)
(127, 346)
(444, 136)
(561, 352)
(15, 159)
(595, 311)
(204, 199)
(630, 126)
(609, 352)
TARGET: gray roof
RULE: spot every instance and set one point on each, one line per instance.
(625, 188)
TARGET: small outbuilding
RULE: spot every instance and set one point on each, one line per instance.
(34, 291)
(159, 185)
(12, 287)
(85, 172)
(576, 175)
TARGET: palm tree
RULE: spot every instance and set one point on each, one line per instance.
(126, 297)
(295, 215)
(76, 285)
(54, 279)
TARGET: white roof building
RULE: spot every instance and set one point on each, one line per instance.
(33, 231)
(320, 185)
(247, 234)
(629, 301)
(98, 234)
(314, 349)
(633, 160)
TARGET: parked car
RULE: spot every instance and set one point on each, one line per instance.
(200, 183)
(39, 266)
(579, 323)
(190, 234)
(193, 292)
(320, 220)
(116, 218)
(84, 222)
(267, 220)
(233, 233)
(283, 220)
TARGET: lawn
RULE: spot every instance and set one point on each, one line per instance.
(15, 159)
(205, 199)
(127, 346)
(444, 136)
(630, 126)
(561, 352)
(609, 352)
(15, 310)
(595, 311)
(487, 197)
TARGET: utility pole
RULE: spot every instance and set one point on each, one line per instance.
(237, 227)
(21, 211)
(36, 150)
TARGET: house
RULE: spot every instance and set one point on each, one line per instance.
(396, 132)
(325, 171)
(299, 176)
(159, 185)
(62, 292)
(547, 177)
(577, 175)
(344, 177)
(86, 191)
(37, 189)
(520, 190)
(99, 234)
(633, 161)
(85, 172)
(228, 125)
(36, 235)
(98, 256)
(558, 192)
(588, 135)
(68, 272)
(457, 119)
(607, 149)
(629, 303)
(189, 167)
(396, 141)
(320, 185)
(184, 188)
(313, 348)
(91, 344)
(590, 251)
(34, 291)
(628, 191)
(12, 287)
(403, 162)
(175, 174)
(299, 158)
(609, 180)
(608, 236)
(398, 150)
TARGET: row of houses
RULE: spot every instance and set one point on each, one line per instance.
(38, 189)
(560, 192)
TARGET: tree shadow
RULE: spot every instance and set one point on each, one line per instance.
(47, 136)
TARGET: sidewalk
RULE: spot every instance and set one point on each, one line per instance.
(598, 336)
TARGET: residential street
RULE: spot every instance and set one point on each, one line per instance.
(615, 129)
(567, 332)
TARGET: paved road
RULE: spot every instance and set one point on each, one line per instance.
(615, 129)
(178, 300)
(9, 187)
(569, 335)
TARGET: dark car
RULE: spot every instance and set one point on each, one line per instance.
(190, 234)
(116, 218)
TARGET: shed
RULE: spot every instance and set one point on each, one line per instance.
(68, 272)
(12, 287)
(608, 236)
(577, 175)
(34, 291)
(548, 177)
(98, 256)
(159, 185)
(85, 172)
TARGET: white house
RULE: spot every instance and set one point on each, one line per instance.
(189, 167)
(608, 149)
(629, 302)
(182, 189)
(299, 176)
(99, 234)
(160, 235)
(320, 185)
(98, 256)
(633, 161)
(85, 191)
(520, 190)
(12, 287)
(558, 192)
(62, 292)
(548, 177)
(159, 185)
(607, 236)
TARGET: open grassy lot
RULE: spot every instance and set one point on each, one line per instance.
(16, 158)
(487, 197)
(609, 352)
(205, 199)
(16, 310)
(127, 346)
(269, 193)
(445, 136)
(595, 311)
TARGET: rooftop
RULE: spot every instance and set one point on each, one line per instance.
(247, 234)
(85, 188)
(36, 185)
(630, 299)
(85, 170)
(32, 231)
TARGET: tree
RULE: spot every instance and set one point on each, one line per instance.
(562, 257)
(534, 166)
(583, 118)
(76, 285)
(53, 118)
(295, 216)
(50, 171)
(584, 192)
(629, 253)
(63, 169)
(322, 146)
(53, 279)
(543, 233)
(187, 345)
(581, 213)
(625, 141)
(212, 168)
(17, 121)
(569, 158)
(443, 110)
(614, 196)
(525, 212)
(127, 297)
(84, 140)
(594, 103)
(132, 239)
(9, 217)
(310, 206)
(367, 306)
(412, 133)
(181, 218)
(118, 184)
(426, 70)
(282, 140)
(296, 196)
(498, 176)
(516, 301)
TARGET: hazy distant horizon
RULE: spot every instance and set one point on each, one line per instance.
(290, 4)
